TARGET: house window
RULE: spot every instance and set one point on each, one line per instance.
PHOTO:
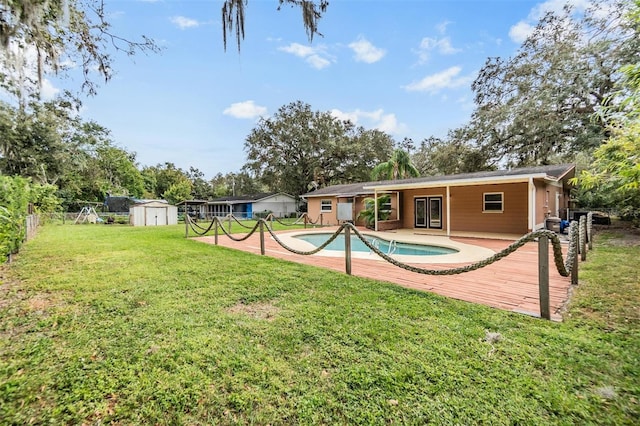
(325, 206)
(493, 202)
(386, 206)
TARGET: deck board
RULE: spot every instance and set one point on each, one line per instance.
(510, 284)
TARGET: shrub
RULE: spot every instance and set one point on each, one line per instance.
(261, 215)
(16, 194)
(14, 202)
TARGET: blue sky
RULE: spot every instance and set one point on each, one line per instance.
(404, 67)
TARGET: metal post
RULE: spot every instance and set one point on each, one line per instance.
(590, 230)
(305, 221)
(320, 220)
(347, 249)
(583, 237)
(262, 237)
(574, 267)
(215, 230)
(543, 276)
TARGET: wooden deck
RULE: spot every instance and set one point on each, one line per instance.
(510, 284)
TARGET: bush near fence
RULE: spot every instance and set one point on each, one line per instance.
(14, 205)
(21, 202)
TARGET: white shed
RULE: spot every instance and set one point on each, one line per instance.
(153, 213)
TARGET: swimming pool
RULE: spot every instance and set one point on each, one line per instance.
(389, 247)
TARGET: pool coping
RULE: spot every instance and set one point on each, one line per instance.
(467, 253)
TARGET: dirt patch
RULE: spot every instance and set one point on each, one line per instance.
(39, 303)
(13, 295)
(623, 234)
(261, 310)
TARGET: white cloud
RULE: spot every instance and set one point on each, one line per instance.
(298, 49)
(372, 119)
(246, 109)
(442, 26)
(48, 91)
(318, 62)
(443, 45)
(183, 22)
(520, 31)
(314, 56)
(447, 79)
(366, 52)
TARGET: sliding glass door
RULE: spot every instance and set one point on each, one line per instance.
(428, 212)
(421, 213)
(435, 212)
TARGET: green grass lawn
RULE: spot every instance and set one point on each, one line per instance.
(116, 324)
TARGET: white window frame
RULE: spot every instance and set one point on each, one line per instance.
(323, 206)
(484, 202)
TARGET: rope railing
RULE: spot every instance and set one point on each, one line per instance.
(579, 234)
(302, 219)
(229, 218)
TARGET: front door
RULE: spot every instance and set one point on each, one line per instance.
(428, 212)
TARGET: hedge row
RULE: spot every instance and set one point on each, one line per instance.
(16, 194)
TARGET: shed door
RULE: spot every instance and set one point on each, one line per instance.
(155, 216)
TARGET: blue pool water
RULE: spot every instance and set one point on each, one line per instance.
(357, 245)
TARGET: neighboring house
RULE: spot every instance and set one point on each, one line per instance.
(247, 206)
(506, 201)
(153, 213)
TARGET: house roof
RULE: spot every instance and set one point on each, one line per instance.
(241, 199)
(552, 173)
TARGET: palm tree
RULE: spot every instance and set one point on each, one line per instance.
(369, 212)
(399, 166)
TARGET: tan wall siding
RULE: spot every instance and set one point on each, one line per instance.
(328, 218)
(467, 205)
(547, 202)
(331, 218)
(541, 203)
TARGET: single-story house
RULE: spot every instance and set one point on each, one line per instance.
(247, 206)
(513, 201)
(153, 213)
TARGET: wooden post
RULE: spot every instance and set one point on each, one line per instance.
(215, 230)
(229, 222)
(262, 237)
(347, 249)
(543, 276)
(186, 224)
